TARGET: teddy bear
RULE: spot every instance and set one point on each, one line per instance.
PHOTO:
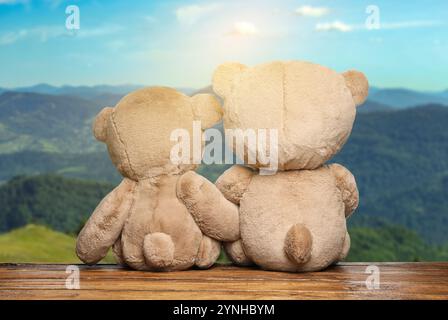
(153, 219)
(295, 219)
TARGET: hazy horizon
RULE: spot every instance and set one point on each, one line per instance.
(372, 86)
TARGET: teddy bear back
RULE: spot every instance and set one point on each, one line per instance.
(137, 131)
(310, 106)
(142, 123)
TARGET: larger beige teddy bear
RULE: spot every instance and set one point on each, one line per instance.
(153, 219)
(294, 220)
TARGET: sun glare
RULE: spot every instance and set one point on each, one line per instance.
(244, 28)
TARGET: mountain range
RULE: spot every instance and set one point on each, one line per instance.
(397, 153)
(380, 98)
(58, 119)
(86, 92)
(34, 121)
(404, 98)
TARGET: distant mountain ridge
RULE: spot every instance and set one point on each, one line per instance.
(400, 98)
(32, 121)
(87, 92)
(380, 99)
(373, 106)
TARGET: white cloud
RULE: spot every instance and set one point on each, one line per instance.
(410, 24)
(343, 27)
(192, 13)
(98, 31)
(13, 1)
(334, 26)
(243, 28)
(52, 3)
(44, 33)
(310, 11)
(11, 37)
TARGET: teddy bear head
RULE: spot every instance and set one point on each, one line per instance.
(137, 131)
(312, 108)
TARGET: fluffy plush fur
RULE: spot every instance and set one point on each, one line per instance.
(294, 220)
(151, 219)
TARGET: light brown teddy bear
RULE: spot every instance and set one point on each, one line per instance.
(150, 219)
(294, 220)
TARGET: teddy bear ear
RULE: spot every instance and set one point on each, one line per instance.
(224, 76)
(358, 85)
(100, 124)
(206, 108)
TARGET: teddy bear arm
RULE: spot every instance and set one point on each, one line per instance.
(345, 248)
(347, 185)
(104, 227)
(234, 182)
(217, 217)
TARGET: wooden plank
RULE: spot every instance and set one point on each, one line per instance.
(343, 281)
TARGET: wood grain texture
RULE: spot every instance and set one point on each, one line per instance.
(342, 281)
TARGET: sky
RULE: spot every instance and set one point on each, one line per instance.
(179, 43)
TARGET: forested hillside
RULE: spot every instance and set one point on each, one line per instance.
(60, 203)
(386, 242)
(400, 161)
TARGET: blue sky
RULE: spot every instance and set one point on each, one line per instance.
(179, 43)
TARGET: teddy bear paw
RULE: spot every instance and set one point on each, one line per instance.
(208, 253)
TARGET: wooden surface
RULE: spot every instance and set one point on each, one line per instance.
(344, 281)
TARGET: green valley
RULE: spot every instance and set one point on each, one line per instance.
(39, 244)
